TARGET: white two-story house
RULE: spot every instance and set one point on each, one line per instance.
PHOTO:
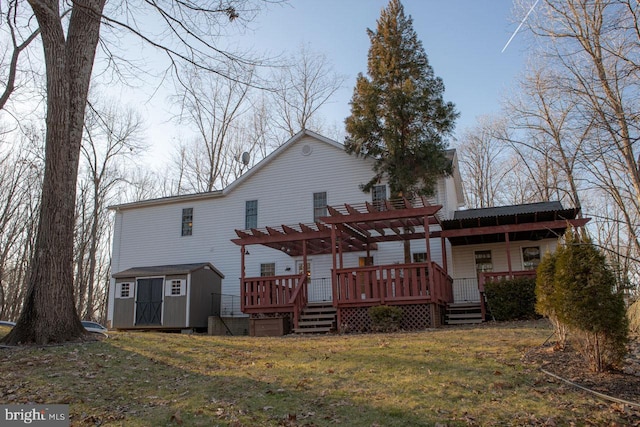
(296, 230)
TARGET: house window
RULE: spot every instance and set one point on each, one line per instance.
(175, 288)
(319, 205)
(530, 257)
(378, 196)
(420, 257)
(124, 290)
(187, 221)
(483, 261)
(268, 269)
(251, 214)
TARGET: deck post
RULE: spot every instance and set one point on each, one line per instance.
(427, 237)
(508, 245)
(334, 273)
(444, 254)
(242, 285)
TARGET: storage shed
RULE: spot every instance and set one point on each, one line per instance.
(169, 297)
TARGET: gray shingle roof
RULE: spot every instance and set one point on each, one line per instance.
(164, 270)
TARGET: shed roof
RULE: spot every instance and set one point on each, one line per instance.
(528, 208)
(165, 270)
(532, 221)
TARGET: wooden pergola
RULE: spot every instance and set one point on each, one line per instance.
(349, 228)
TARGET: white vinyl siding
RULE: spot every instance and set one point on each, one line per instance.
(145, 235)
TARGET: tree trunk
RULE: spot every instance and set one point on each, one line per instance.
(49, 313)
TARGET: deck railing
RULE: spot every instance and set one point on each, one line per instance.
(299, 298)
(391, 284)
(466, 290)
(270, 294)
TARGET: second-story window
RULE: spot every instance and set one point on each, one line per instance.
(251, 214)
(187, 221)
(319, 205)
(378, 196)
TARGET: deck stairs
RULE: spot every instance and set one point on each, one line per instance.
(317, 318)
(463, 313)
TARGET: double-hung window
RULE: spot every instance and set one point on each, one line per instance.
(187, 221)
(530, 257)
(378, 196)
(319, 205)
(251, 214)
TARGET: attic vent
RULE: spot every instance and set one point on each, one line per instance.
(306, 150)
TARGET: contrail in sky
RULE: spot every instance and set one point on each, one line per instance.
(518, 29)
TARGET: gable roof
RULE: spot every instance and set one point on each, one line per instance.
(229, 188)
(165, 270)
(275, 153)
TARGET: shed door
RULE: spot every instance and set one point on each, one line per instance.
(149, 301)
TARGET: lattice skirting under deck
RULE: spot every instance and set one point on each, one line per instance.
(414, 317)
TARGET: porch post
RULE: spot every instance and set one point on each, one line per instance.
(242, 288)
(444, 255)
(508, 244)
(427, 237)
(334, 275)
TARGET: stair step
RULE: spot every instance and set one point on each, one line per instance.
(465, 316)
(320, 310)
(463, 322)
(464, 304)
(312, 330)
(327, 322)
(306, 315)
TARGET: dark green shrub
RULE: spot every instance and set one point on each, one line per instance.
(385, 318)
(511, 299)
(580, 293)
(586, 299)
(546, 295)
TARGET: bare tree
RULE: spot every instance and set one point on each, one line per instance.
(20, 178)
(549, 133)
(591, 57)
(69, 47)
(213, 106)
(485, 162)
(112, 134)
(301, 89)
(10, 70)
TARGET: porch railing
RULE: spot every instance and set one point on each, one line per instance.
(270, 294)
(299, 299)
(388, 284)
(466, 290)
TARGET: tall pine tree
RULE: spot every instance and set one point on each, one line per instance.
(398, 116)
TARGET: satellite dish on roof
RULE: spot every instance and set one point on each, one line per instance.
(245, 158)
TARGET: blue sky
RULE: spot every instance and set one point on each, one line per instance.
(463, 40)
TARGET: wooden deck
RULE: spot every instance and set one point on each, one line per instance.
(396, 284)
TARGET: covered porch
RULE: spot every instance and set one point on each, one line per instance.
(506, 228)
(422, 288)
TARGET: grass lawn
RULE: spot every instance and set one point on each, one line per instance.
(462, 376)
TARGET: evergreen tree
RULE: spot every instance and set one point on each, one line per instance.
(398, 116)
(577, 287)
